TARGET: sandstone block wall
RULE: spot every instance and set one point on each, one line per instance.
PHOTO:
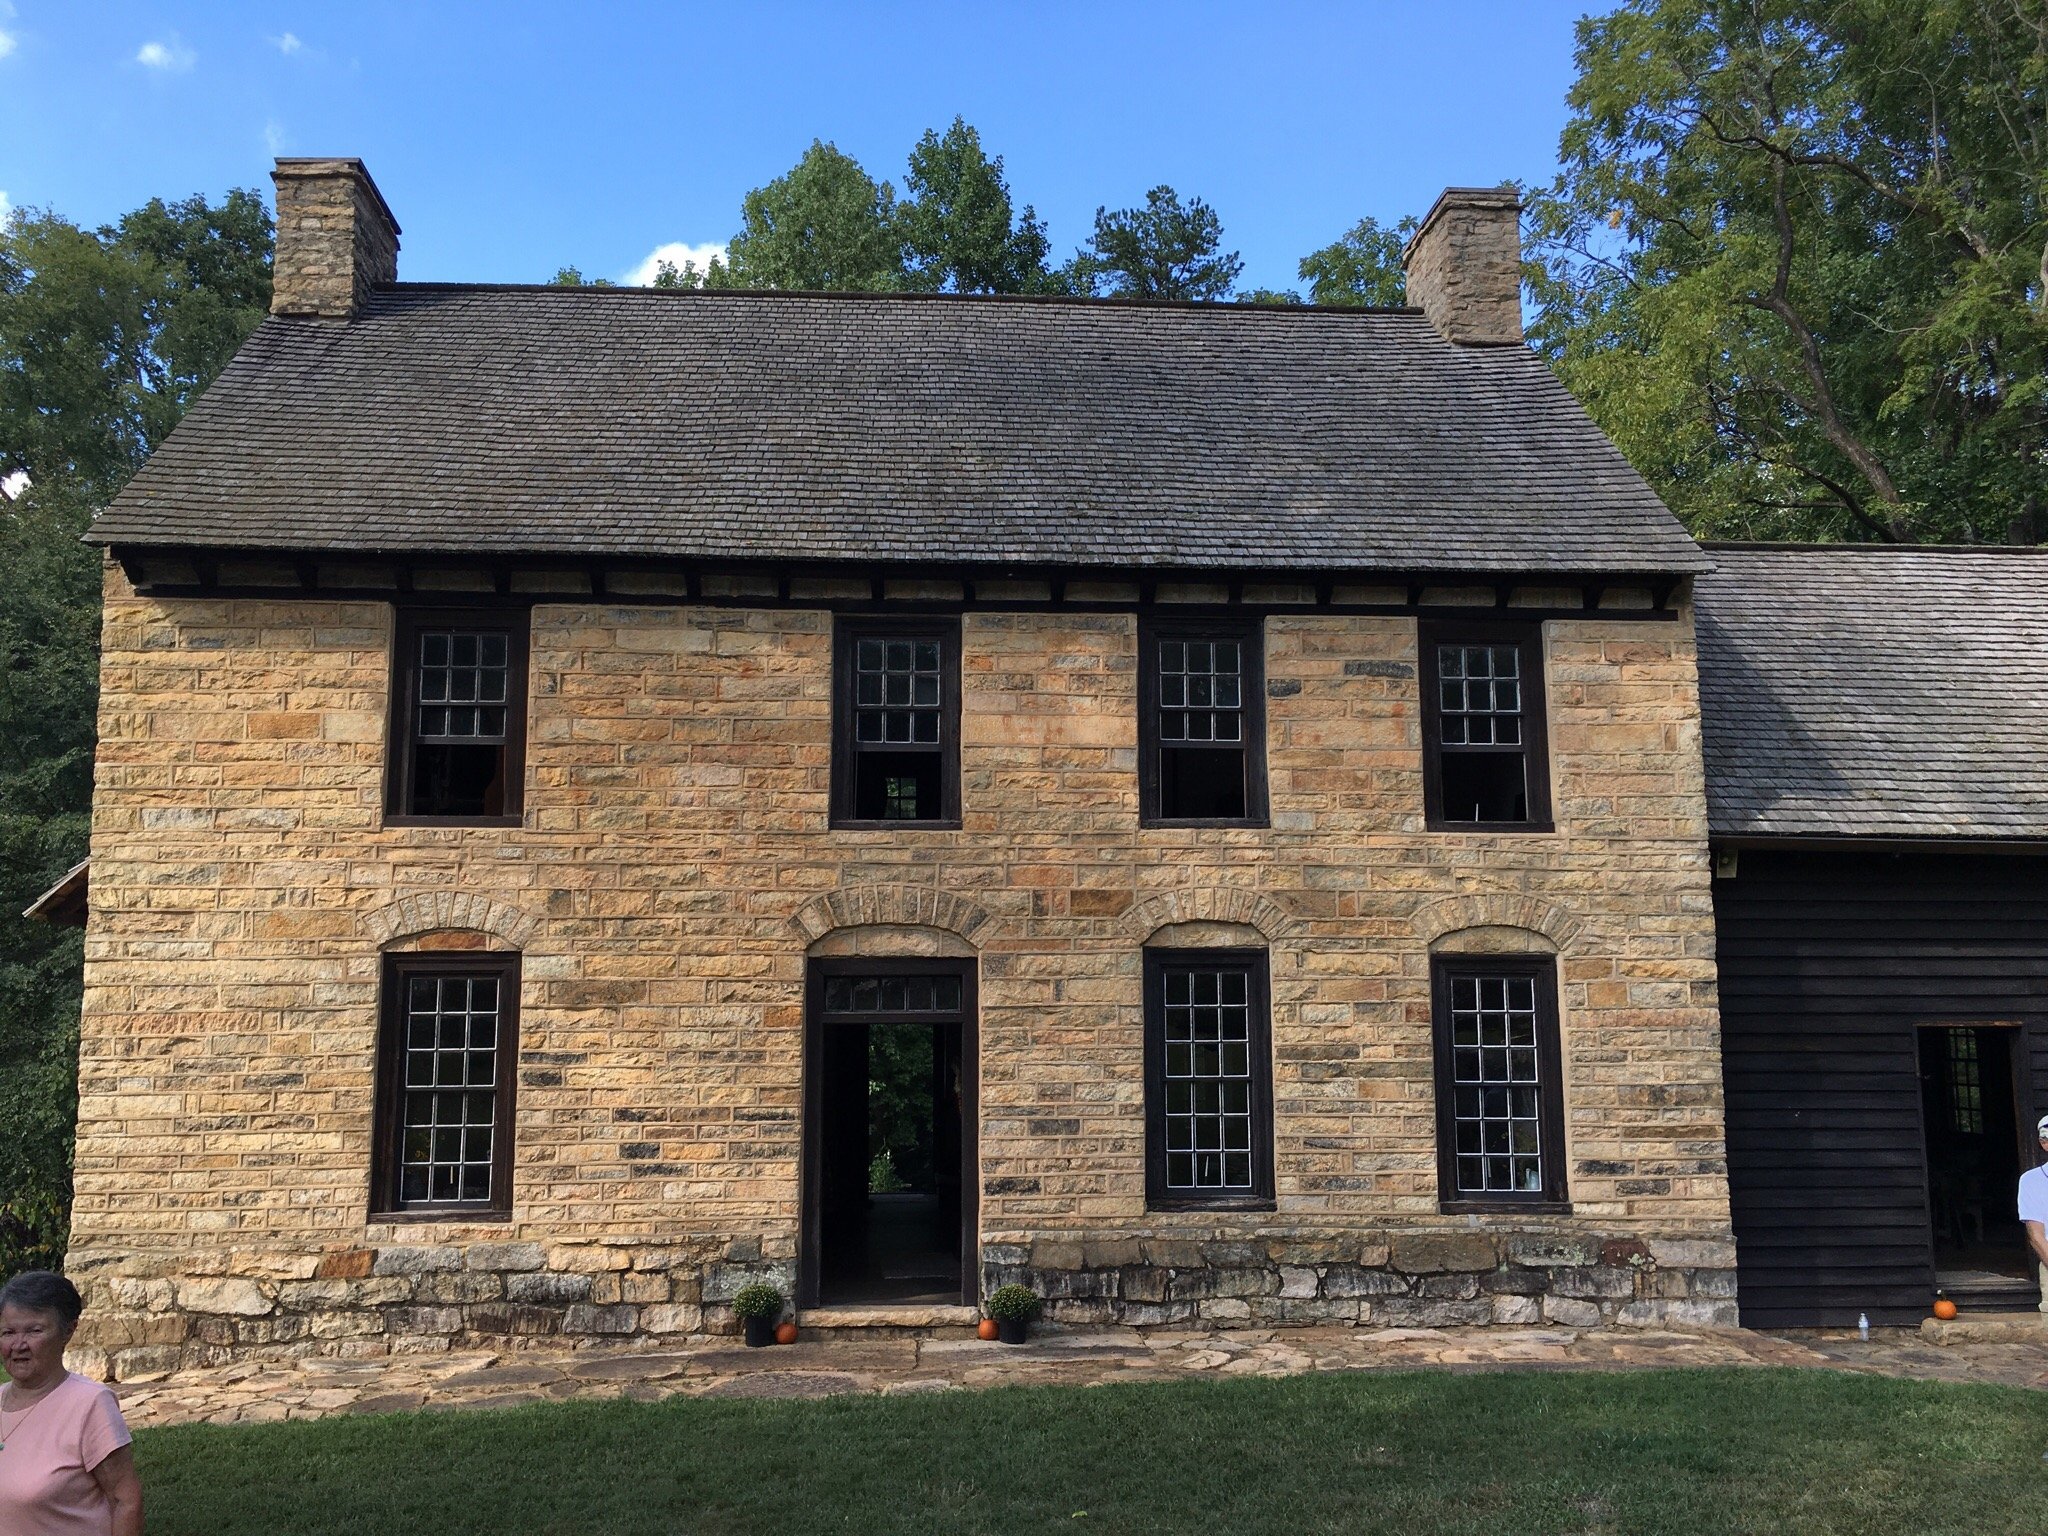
(674, 869)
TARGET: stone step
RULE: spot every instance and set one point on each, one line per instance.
(917, 1320)
(1987, 1328)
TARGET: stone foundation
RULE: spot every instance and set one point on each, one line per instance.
(149, 1314)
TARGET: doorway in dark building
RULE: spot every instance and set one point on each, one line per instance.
(1970, 1107)
(889, 1134)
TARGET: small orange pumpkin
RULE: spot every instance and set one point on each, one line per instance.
(1944, 1308)
(986, 1328)
(785, 1333)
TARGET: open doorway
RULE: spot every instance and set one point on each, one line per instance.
(1970, 1107)
(889, 1134)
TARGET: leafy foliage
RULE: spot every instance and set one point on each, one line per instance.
(1013, 1303)
(825, 224)
(1360, 267)
(1165, 250)
(1794, 261)
(757, 1299)
(105, 337)
(959, 231)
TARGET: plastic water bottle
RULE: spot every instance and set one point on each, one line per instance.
(1863, 1326)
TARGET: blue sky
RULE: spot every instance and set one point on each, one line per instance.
(512, 138)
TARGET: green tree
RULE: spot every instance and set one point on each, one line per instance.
(825, 224)
(105, 337)
(1361, 267)
(1794, 261)
(1164, 250)
(960, 233)
(572, 277)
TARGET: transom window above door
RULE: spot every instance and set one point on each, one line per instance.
(896, 724)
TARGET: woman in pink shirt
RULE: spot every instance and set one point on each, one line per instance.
(65, 1465)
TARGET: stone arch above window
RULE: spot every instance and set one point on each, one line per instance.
(452, 911)
(1495, 923)
(892, 941)
(1247, 909)
(891, 906)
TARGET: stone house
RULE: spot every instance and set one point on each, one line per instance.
(604, 795)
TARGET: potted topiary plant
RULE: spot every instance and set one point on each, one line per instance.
(1013, 1307)
(759, 1306)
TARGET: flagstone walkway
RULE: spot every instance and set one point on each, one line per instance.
(253, 1393)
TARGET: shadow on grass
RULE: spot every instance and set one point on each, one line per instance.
(1690, 1451)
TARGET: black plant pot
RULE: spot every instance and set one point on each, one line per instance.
(1013, 1330)
(760, 1332)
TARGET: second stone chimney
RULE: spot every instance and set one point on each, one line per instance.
(336, 239)
(1464, 266)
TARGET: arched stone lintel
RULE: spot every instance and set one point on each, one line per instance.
(896, 906)
(896, 940)
(1209, 904)
(1439, 921)
(1199, 935)
(438, 911)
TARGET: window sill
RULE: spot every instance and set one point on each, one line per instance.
(1504, 1207)
(419, 1215)
(453, 821)
(941, 825)
(1490, 826)
(1251, 1203)
(1256, 824)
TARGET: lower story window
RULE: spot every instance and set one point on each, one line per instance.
(1208, 1078)
(1500, 1108)
(448, 1064)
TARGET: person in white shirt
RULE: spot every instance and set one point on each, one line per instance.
(2034, 1207)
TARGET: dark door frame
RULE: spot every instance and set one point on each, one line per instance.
(811, 1215)
(2017, 1030)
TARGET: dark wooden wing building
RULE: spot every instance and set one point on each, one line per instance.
(1876, 733)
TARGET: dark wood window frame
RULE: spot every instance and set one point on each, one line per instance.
(1249, 631)
(1528, 638)
(402, 728)
(1158, 961)
(388, 1127)
(819, 972)
(847, 633)
(1554, 1197)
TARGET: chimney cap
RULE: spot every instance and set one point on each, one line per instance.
(1506, 198)
(315, 166)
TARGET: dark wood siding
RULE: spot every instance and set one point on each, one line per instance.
(1829, 962)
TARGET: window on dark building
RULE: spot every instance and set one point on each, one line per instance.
(1487, 759)
(446, 1070)
(1208, 1078)
(459, 717)
(896, 756)
(1500, 1103)
(1202, 728)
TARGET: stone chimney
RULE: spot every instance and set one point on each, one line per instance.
(1464, 266)
(336, 239)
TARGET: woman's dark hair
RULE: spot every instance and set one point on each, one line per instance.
(37, 1290)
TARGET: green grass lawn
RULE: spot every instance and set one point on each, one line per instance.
(1679, 1451)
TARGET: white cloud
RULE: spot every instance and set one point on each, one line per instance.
(675, 253)
(273, 136)
(6, 41)
(289, 43)
(5, 208)
(172, 57)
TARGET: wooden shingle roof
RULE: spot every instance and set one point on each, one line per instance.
(1875, 692)
(896, 429)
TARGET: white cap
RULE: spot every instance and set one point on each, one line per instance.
(2043, 1127)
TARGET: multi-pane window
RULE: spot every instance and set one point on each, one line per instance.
(459, 714)
(1208, 1077)
(1202, 731)
(1483, 698)
(927, 993)
(1499, 1104)
(446, 1091)
(897, 757)
(1965, 1083)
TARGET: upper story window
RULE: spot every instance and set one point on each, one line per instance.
(896, 723)
(458, 730)
(1208, 1078)
(448, 1061)
(1499, 1089)
(1202, 722)
(1487, 760)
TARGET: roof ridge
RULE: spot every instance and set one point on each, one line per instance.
(1793, 546)
(1076, 301)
